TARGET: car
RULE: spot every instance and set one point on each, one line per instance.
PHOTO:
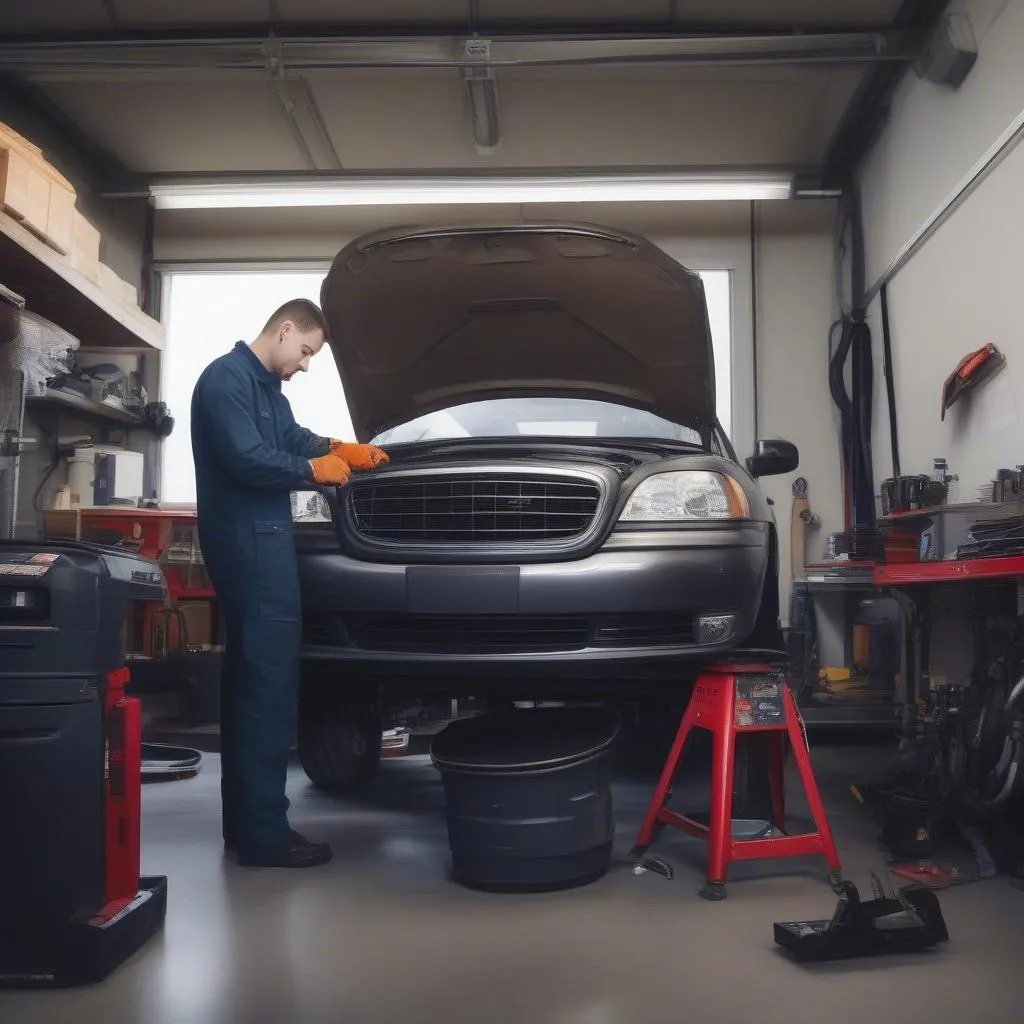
(562, 517)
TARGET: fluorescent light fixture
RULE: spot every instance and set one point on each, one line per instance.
(453, 191)
(811, 186)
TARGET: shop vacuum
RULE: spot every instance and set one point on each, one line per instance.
(73, 903)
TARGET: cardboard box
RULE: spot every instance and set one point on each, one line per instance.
(85, 248)
(10, 139)
(14, 170)
(117, 288)
(199, 622)
(63, 523)
(25, 190)
(130, 294)
(38, 202)
(60, 219)
(34, 192)
(109, 281)
(86, 239)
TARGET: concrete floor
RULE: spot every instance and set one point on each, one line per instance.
(381, 935)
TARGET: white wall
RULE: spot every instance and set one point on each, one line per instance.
(963, 288)
(795, 311)
(794, 304)
(935, 135)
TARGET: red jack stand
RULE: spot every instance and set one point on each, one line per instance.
(728, 700)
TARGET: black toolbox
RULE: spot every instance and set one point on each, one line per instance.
(74, 904)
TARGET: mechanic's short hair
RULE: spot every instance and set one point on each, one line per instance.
(306, 315)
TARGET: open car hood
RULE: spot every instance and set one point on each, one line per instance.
(429, 318)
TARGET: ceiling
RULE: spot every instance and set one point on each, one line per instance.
(416, 119)
(58, 16)
(198, 109)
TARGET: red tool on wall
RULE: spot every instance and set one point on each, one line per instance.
(972, 371)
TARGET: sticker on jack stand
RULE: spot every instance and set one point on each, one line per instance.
(743, 713)
(763, 701)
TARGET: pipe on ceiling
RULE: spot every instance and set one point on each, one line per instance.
(110, 56)
(868, 110)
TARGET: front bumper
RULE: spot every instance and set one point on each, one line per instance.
(628, 602)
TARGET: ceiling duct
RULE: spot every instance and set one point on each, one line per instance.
(305, 120)
(482, 97)
(481, 83)
(951, 53)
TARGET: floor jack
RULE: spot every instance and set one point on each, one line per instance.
(902, 920)
(728, 701)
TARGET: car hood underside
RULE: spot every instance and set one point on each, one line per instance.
(430, 318)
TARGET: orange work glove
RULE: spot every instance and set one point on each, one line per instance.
(330, 469)
(359, 456)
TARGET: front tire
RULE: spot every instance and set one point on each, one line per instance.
(339, 735)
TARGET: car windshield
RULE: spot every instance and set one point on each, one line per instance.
(537, 417)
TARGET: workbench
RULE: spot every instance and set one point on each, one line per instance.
(945, 608)
(914, 585)
(922, 591)
(837, 591)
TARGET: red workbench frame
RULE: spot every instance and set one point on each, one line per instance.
(907, 574)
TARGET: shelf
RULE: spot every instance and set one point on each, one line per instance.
(851, 581)
(984, 509)
(837, 576)
(913, 573)
(64, 401)
(56, 290)
(849, 716)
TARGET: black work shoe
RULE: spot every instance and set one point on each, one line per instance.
(231, 844)
(297, 852)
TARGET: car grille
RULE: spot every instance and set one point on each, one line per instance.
(468, 633)
(482, 634)
(474, 509)
(644, 629)
(323, 629)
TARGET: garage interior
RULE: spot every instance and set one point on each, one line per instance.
(842, 178)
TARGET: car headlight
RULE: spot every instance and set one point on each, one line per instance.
(686, 496)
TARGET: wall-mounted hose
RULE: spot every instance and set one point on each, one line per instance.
(854, 403)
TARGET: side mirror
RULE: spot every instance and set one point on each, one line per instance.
(773, 458)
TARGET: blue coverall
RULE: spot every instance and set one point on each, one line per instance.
(249, 455)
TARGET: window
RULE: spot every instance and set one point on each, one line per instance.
(537, 417)
(718, 294)
(206, 313)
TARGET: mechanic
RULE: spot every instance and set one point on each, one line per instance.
(249, 456)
